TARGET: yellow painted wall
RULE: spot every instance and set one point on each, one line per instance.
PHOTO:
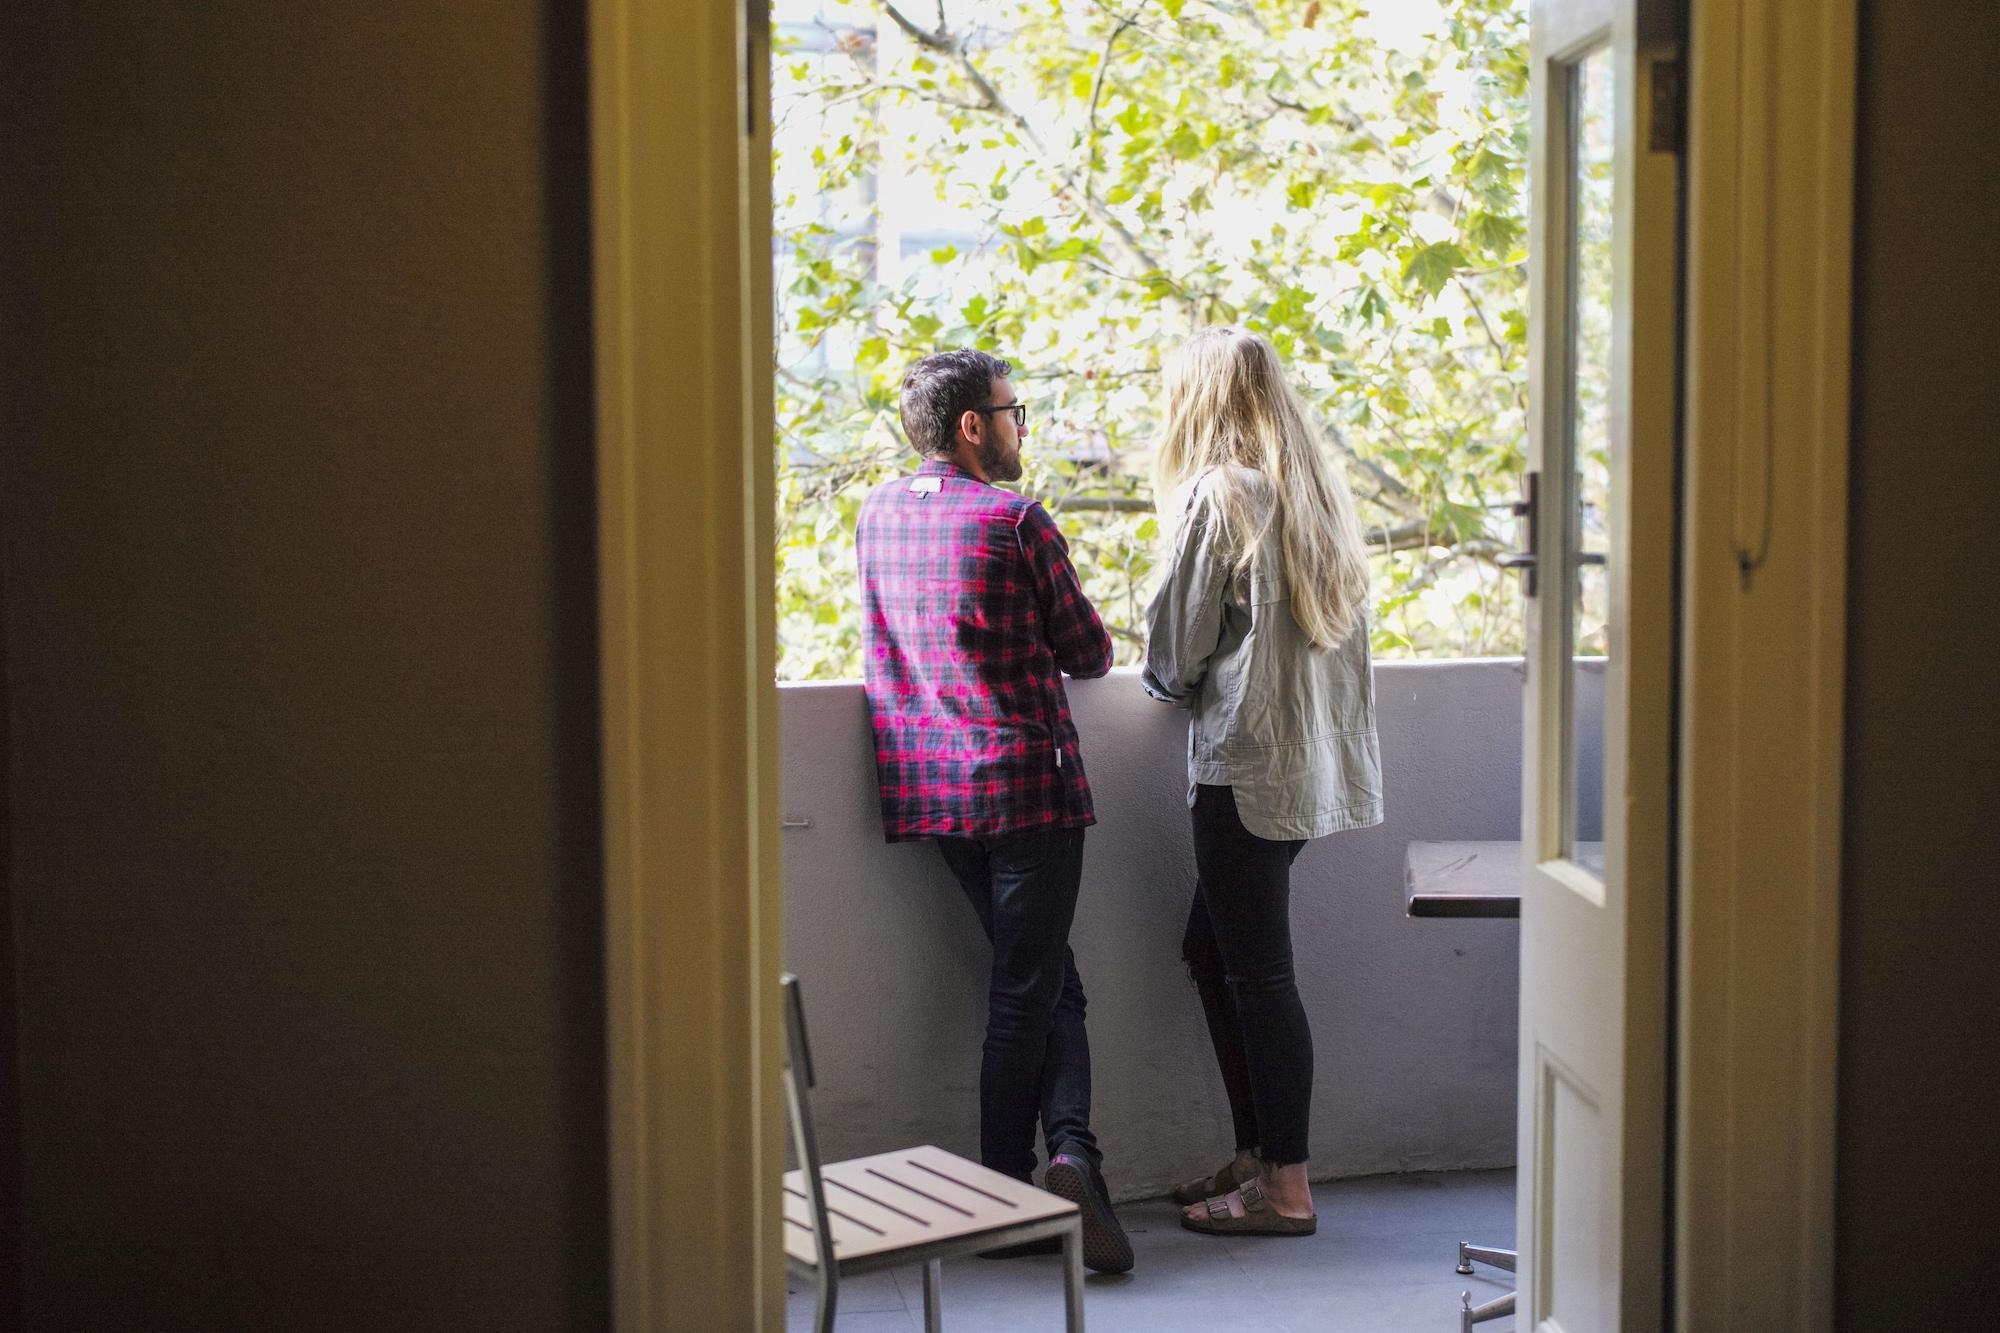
(299, 609)
(1919, 1074)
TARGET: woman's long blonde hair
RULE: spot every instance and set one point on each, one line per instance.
(1229, 407)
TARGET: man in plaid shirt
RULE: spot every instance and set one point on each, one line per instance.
(973, 613)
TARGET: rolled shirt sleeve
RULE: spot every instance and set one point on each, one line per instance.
(1076, 635)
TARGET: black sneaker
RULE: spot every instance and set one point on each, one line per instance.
(1105, 1248)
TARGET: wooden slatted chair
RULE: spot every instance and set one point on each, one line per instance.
(919, 1206)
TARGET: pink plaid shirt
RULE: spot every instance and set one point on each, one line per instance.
(972, 612)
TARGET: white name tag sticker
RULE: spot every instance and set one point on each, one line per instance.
(927, 485)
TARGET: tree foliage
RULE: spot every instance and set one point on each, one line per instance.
(1129, 171)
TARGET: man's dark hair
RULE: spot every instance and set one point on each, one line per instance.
(939, 389)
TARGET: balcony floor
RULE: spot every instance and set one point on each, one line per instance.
(1381, 1260)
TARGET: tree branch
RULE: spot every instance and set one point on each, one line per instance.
(1477, 550)
(1500, 348)
(948, 43)
(1411, 534)
(936, 41)
(1390, 492)
(1104, 504)
(1096, 96)
(1440, 201)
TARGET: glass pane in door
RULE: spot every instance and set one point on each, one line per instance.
(1587, 582)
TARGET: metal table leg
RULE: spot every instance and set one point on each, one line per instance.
(1470, 1314)
(934, 1296)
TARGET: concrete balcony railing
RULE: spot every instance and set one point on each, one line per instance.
(1413, 1020)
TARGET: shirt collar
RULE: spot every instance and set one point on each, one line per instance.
(944, 467)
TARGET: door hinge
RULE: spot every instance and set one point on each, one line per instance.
(1669, 109)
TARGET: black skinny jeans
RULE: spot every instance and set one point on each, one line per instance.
(1238, 949)
(1036, 1059)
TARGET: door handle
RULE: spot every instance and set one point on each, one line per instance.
(1528, 562)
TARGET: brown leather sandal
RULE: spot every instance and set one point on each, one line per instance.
(1232, 1173)
(1259, 1217)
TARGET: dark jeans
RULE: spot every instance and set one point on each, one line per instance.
(1036, 1061)
(1238, 949)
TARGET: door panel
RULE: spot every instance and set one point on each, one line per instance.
(1569, 1279)
(1595, 816)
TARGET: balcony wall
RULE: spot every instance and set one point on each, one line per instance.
(1413, 1021)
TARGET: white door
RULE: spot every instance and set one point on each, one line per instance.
(1599, 725)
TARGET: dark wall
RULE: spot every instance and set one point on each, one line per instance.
(10, 1031)
(1920, 973)
(298, 632)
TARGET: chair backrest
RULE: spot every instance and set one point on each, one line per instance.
(798, 1085)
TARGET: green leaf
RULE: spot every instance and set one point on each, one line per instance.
(1488, 169)
(1184, 145)
(1492, 232)
(944, 254)
(1432, 266)
(1370, 305)
(1118, 194)
(872, 352)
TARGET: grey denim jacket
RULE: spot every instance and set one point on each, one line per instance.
(1289, 726)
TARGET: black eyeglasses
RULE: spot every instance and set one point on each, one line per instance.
(1020, 411)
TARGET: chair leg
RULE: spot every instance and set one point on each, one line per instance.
(829, 1297)
(1073, 1277)
(934, 1297)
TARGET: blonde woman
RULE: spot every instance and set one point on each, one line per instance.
(1260, 629)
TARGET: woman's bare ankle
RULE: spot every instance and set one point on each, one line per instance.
(1288, 1188)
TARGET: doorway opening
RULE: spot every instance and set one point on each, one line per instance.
(1077, 188)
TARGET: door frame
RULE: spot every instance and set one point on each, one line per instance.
(1770, 190)
(681, 241)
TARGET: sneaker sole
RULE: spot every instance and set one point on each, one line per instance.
(1105, 1246)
